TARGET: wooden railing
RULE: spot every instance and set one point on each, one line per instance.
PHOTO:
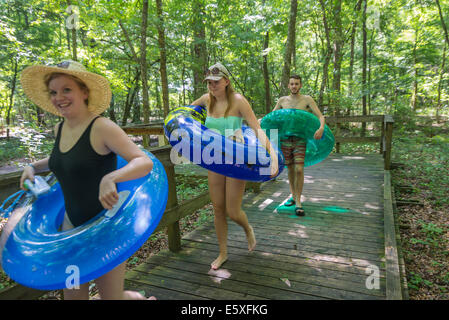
(384, 140)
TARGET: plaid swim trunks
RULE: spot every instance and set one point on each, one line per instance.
(294, 150)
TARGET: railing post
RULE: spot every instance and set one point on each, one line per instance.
(388, 141)
(173, 232)
(382, 136)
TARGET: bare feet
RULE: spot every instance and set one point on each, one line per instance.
(251, 239)
(216, 264)
(134, 295)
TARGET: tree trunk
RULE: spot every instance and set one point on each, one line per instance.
(111, 110)
(443, 24)
(199, 65)
(143, 68)
(11, 98)
(289, 47)
(326, 58)
(437, 111)
(163, 54)
(266, 76)
(338, 55)
(73, 33)
(414, 98)
(364, 87)
(351, 60)
(130, 98)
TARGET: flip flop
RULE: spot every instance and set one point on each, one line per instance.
(289, 202)
(299, 211)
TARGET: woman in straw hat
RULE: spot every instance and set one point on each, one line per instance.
(227, 109)
(84, 155)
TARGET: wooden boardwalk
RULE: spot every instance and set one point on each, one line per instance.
(328, 254)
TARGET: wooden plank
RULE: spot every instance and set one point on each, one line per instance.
(239, 240)
(347, 119)
(184, 284)
(271, 274)
(201, 253)
(159, 292)
(19, 292)
(255, 277)
(391, 251)
(283, 261)
(200, 283)
(302, 236)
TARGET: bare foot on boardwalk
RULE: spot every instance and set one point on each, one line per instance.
(134, 295)
(216, 264)
(251, 239)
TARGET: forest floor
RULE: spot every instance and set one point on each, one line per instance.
(420, 182)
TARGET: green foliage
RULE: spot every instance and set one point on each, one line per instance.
(427, 158)
(188, 187)
(26, 142)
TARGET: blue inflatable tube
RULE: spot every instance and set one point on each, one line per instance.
(298, 123)
(34, 254)
(185, 130)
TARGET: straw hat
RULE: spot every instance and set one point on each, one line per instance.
(33, 84)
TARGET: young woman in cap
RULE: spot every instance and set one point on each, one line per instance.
(84, 155)
(227, 109)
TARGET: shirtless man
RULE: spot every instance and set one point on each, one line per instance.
(294, 148)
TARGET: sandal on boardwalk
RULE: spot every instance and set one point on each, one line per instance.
(299, 211)
(289, 202)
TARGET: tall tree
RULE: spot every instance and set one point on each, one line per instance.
(266, 76)
(72, 25)
(364, 63)
(163, 55)
(443, 24)
(289, 46)
(327, 57)
(199, 49)
(338, 56)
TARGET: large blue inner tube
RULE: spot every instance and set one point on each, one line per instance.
(36, 255)
(185, 130)
(303, 124)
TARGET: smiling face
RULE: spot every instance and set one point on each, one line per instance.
(217, 87)
(67, 95)
(294, 85)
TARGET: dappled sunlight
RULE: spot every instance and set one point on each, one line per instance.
(219, 275)
(309, 179)
(344, 158)
(264, 204)
(343, 260)
(371, 206)
(300, 232)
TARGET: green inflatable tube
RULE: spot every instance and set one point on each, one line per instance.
(303, 124)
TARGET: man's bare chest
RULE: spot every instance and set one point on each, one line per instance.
(299, 103)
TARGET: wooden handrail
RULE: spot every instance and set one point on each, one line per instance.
(384, 139)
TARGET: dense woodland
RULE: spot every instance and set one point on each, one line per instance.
(356, 57)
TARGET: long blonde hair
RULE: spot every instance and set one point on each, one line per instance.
(229, 94)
